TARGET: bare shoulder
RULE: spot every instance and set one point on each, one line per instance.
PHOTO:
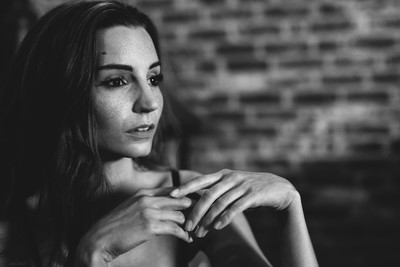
(188, 175)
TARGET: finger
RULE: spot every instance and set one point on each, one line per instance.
(196, 184)
(172, 203)
(170, 228)
(205, 202)
(169, 215)
(220, 205)
(201, 231)
(162, 191)
(236, 208)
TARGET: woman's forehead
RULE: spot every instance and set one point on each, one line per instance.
(128, 45)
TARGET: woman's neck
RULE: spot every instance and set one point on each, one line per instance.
(120, 170)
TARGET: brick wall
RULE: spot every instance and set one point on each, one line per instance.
(307, 89)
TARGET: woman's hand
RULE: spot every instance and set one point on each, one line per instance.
(227, 193)
(149, 213)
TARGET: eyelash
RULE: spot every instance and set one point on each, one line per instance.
(111, 82)
(154, 80)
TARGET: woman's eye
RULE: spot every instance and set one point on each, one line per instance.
(115, 82)
(155, 80)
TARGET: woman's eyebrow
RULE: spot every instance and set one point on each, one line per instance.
(115, 66)
(124, 67)
(155, 64)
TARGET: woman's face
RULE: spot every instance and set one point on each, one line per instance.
(127, 99)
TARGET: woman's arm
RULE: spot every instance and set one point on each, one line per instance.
(227, 193)
(296, 246)
(147, 214)
(234, 245)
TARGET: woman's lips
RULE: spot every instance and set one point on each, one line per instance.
(143, 131)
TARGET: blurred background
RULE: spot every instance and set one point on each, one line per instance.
(306, 89)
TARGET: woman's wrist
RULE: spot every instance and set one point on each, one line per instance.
(293, 210)
(89, 253)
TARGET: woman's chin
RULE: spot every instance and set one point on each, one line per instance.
(138, 150)
(131, 151)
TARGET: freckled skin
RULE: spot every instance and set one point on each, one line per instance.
(121, 108)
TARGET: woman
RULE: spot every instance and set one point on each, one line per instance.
(81, 113)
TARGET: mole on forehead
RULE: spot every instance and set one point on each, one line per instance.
(103, 53)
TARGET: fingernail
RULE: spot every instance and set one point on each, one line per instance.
(204, 233)
(217, 225)
(174, 192)
(200, 231)
(190, 239)
(189, 225)
(188, 202)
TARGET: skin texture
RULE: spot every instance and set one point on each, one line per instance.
(227, 193)
(124, 99)
(127, 97)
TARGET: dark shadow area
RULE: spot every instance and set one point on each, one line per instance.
(352, 211)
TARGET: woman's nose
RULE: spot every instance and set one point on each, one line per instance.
(146, 100)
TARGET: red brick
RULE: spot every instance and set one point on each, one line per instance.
(260, 30)
(280, 115)
(226, 115)
(367, 129)
(331, 27)
(253, 130)
(207, 66)
(246, 65)
(393, 59)
(328, 45)
(368, 97)
(353, 62)
(367, 148)
(212, 2)
(207, 34)
(314, 98)
(218, 100)
(260, 99)
(184, 52)
(180, 17)
(302, 63)
(231, 14)
(341, 79)
(392, 23)
(286, 11)
(390, 78)
(235, 50)
(286, 47)
(331, 9)
(375, 42)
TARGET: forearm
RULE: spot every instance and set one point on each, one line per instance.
(296, 246)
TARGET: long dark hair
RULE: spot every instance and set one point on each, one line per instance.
(47, 125)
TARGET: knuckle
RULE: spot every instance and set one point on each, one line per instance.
(146, 214)
(208, 195)
(180, 216)
(250, 190)
(232, 211)
(150, 226)
(142, 192)
(208, 219)
(144, 201)
(175, 229)
(220, 204)
(235, 176)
